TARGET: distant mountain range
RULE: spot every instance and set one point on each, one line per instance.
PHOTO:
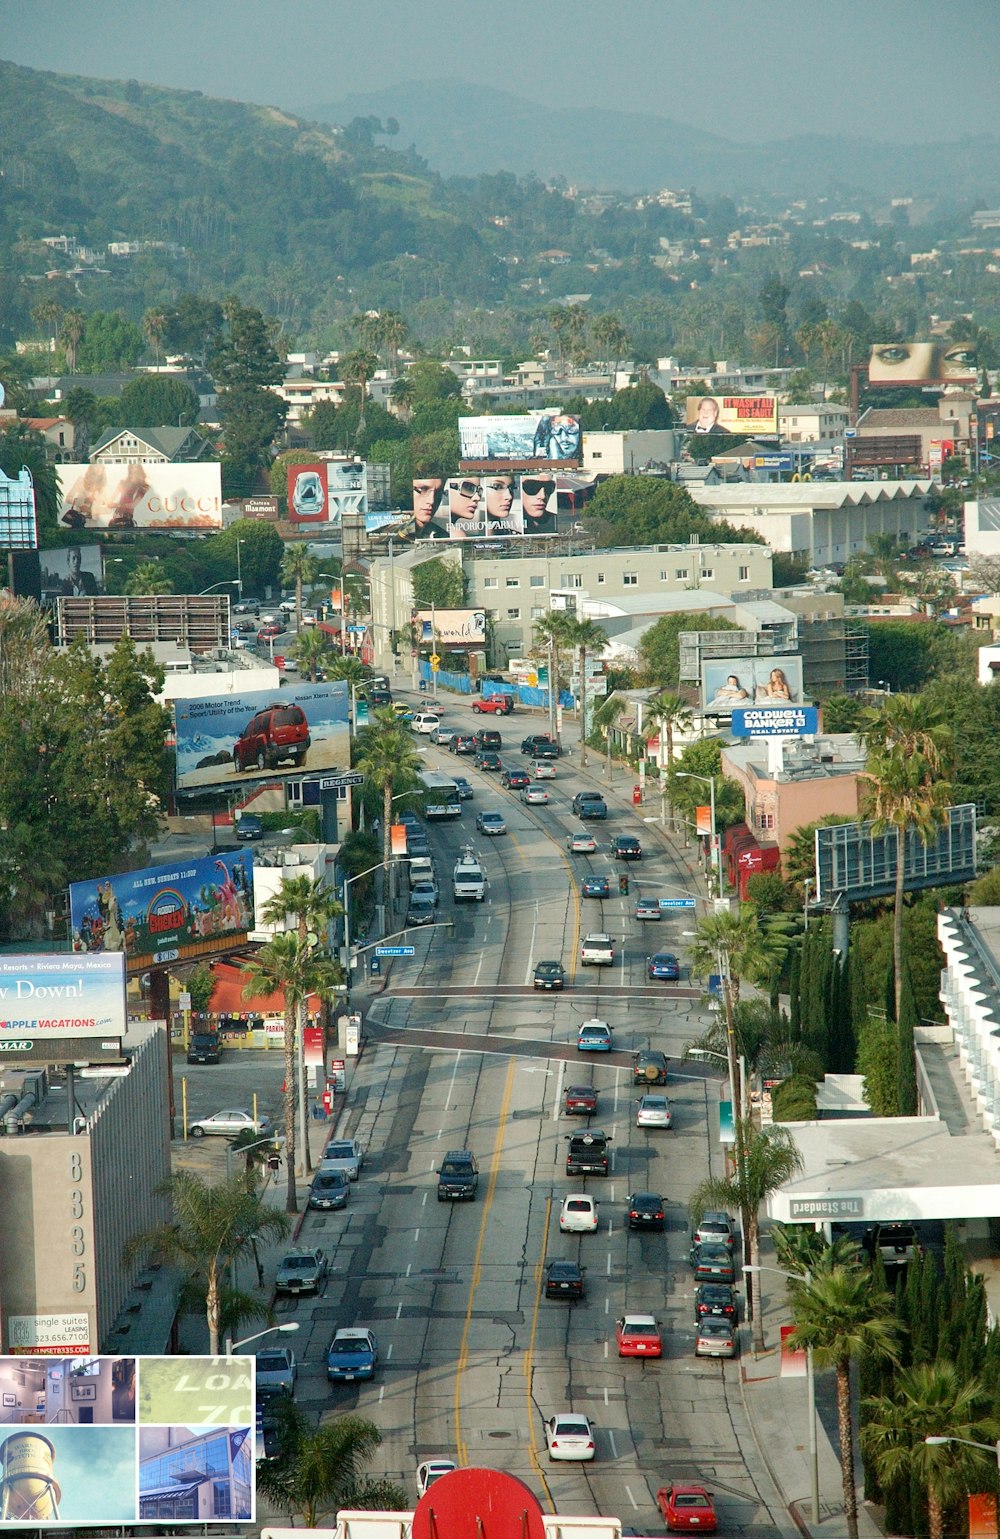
(463, 132)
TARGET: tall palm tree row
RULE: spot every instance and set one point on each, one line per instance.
(299, 568)
(586, 636)
(387, 758)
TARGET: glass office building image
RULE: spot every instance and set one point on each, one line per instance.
(195, 1474)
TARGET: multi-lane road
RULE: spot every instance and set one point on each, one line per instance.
(461, 1052)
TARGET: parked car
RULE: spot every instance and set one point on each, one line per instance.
(579, 1100)
(647, 908)
(714, 1337)
(279, 732)
(228, 1123)
(638, 1336)
(650, 1067)
(645, 1211)
(653, 1111)
(344, 1154)
(712, 1263)
(330, 1189)
(686, 1508)
(714, 1228)
(420, 911)
(301, 1271)
(715, 1299)
(578, 1214)
(248, 827)
(564, 1280)
(277, 1371)
(549, 975)
(490, 823)
(352, 1354)
(570, 1437)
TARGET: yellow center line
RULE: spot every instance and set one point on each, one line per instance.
(528, 1362)
(463, 1350)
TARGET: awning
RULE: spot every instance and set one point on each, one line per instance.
(227, 995)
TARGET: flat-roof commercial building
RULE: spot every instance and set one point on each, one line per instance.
(821, 522)
(817, 777)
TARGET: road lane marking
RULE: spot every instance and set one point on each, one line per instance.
(635, 1504)
(614, 1446)
(463, 1349)
(528, 1362)
(557, 1102)
(451, 1088)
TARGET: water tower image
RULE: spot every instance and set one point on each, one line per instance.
(29, 1491)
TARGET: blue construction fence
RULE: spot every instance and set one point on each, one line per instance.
(524, 694)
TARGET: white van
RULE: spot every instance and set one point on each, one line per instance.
(425, 722)
(468, 880)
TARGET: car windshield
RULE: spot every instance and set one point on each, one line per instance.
(339, 1152)
(334, 1179)
(455, 1167)
(298, 1263)
(287, 716)
(271, 1362)
(347, 1345)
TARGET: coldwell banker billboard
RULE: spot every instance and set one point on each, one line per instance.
(163, 913)
(231, 739)
(743, 414)
(61, 996)
(149, 495)
(922, 363)
(547, 435)
(731, 682)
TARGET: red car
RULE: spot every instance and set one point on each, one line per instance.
(687, 1507)
(580, 1100)
(495, 705)
(638, 1336)
(268, 632)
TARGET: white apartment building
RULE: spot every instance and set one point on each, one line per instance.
(619, 454)
(808, 422)
(821, 522)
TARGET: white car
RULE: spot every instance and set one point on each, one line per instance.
(597, 950)
(653, 1112)
(344, 1154)
(535, 796)
(569, 1436)
(578, 1214)
(425, 722)
(228, 1123)
(543, 769)
(431, 1470)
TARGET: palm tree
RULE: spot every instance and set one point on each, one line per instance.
(46, 316)
(313, 652)
(735, 946)
(551, 636)
(586, 636)
(154, 325)
(671, 713)
(606, 715)
(932, 1400)
(317, 1470)
(300, 568)
(401, 396)
(842, 1315)
(74, 323)
(609, 334)
(285, 966)
(763, 1160)
(908, 745)
(148, 577)
(390, 762)
(351, 669)
(391, 332)
(212, 1226)
(357, 368)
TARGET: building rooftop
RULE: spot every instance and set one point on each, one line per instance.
(801, 496)
(822, 758)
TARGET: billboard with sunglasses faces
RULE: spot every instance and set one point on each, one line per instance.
(501, 505)
(545, 435)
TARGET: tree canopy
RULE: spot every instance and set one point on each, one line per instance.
(650, 510)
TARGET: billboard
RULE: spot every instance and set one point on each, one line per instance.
(306, 489)
(852, 859)
(451, 627)
(743, 414)
(162, 913)
(147, 495)
(937, 362)
(546, 435)
(57, 997)
(18, 526)
(774, 721)
(347, 489)
(75, 571)
(111, 1441)
(728, 682)
(234, 739)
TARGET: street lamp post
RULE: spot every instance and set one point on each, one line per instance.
(228, 582)
(808, 883)
(806, 1277)
(990, 1448)
(231, 1345)
(709, 780)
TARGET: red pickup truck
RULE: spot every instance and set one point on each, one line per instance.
(494, 705)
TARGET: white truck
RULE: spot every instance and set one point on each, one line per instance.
(468, 878)
(597, 950)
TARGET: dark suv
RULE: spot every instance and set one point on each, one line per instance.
(458, 1178)
(487, 739)
(278, 732)
(587, 1154)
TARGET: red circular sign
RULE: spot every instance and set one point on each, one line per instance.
(478, 1504)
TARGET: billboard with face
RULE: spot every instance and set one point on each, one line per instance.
(148, 495)
(164, 913)
(729, 682)
(743, 414)
(231, 739)
(547, 435)
(307, 494)
(76, 571)
(922, 363)
(61, 996)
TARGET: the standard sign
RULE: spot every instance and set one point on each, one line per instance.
(775, 721)
(826, 1207)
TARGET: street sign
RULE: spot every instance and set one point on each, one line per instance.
(334, 782)
(435, 662)
(356, 630)
(395, 951)
(677, 902)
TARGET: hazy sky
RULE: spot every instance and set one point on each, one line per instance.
(898, 70)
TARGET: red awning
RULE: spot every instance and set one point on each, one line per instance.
(227, 995)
